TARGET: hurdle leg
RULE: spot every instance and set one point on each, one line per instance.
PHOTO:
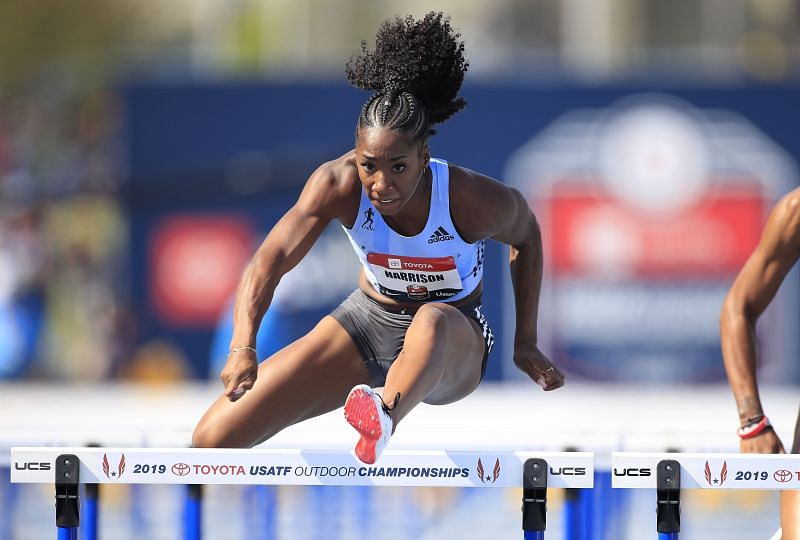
(593, 508)
(91, 494)
(67, 533)
(668, 498)
(602, 504)
(587, 513)
(534, 498)
(192, 512)
(579, 514)
(7, 495)
(67, 480)
(573, 524)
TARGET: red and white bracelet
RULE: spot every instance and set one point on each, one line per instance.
(751, 430)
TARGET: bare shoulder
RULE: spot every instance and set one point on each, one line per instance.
(333, 189)
(481, 206)
(782, 232)
(787, 212)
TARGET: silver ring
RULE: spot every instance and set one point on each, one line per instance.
(551, 368)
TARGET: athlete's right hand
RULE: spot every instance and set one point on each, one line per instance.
(239, 374)
(766, 442)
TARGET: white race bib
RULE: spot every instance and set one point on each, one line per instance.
(415, 279)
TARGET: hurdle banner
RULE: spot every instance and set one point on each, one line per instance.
(298, 467)
(708, 470)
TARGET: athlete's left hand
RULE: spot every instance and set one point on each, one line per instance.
(538, 367)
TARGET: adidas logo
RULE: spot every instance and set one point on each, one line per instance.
(440, 235)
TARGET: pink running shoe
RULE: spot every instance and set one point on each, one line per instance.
(366, 412)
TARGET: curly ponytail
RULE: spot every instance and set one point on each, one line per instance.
(415, 71)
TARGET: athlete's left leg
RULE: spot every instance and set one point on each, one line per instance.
(440, 361)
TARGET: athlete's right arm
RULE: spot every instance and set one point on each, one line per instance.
(751, 293)
(325, 197)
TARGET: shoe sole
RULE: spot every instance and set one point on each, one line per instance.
(361, 412)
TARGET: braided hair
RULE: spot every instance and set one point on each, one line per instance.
(415, 71)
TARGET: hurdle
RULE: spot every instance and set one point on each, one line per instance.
(70, 467)
(669, 473)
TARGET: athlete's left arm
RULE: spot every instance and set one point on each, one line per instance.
(485, 208)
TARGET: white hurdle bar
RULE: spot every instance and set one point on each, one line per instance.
(708, 470)
(669, 473)
(69, 467)
(299, 467)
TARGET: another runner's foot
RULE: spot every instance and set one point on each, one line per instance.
(366, 412)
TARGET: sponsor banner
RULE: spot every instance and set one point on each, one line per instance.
(296, 467)
(709, 471)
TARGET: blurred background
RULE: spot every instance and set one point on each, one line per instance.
(147, 147)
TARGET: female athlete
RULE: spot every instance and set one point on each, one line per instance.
(418, 225)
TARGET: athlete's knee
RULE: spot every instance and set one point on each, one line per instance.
(210, 434)
(436, 317)
(202, 436)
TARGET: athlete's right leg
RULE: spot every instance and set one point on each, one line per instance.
(440, 363)
(305, 379)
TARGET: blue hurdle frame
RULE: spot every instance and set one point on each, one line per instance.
(193, 512)
(91, 493)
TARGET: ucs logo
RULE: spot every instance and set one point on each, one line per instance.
(782, 476)
(32, 466)
(568, 471)
(717, 481)
(113, 474)
(490, 479)
(632, 471)
(180, 469)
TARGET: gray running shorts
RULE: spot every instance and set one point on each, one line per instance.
(379, 333)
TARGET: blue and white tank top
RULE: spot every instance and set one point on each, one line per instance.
(436, 265)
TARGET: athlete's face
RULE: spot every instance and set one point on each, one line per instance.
(390, 166)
